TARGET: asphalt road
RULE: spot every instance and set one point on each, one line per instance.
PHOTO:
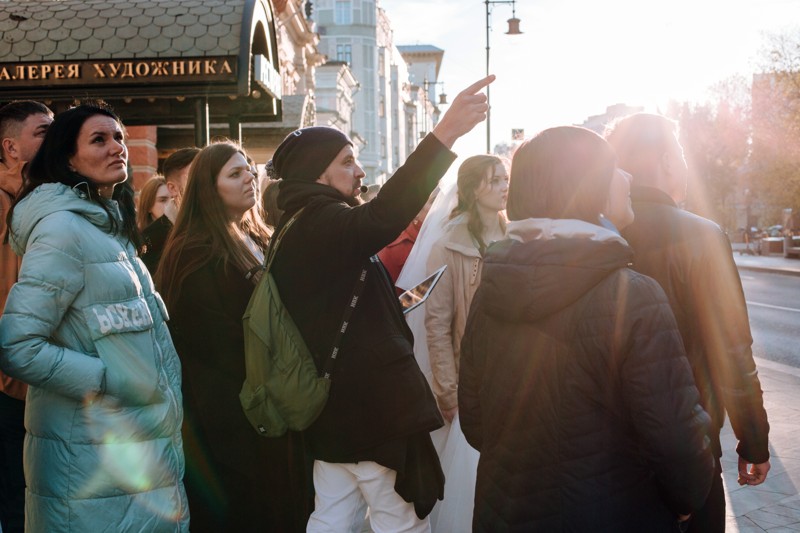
(773, 302)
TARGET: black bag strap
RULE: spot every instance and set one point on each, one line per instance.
(348, 313)
(351, 303)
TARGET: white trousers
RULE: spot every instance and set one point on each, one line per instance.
(343, 489)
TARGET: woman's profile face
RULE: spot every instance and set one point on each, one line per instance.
(161, 199)
(620, 211)
(100, 151)
(492, 193)
(236, 186)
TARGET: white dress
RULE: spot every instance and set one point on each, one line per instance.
(459, 460)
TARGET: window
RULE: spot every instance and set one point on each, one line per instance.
(343, 13)
(344, 52)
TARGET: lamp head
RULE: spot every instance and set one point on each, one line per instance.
(513, 26)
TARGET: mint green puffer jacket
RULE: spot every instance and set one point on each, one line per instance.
(85, 329)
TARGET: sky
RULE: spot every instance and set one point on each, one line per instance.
(577, 57)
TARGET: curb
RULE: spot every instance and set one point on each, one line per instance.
(769, 270)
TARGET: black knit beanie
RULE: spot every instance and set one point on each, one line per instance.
(305, 153)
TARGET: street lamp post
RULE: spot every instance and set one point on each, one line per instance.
(513, 29)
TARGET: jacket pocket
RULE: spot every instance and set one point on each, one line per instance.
(122, 336)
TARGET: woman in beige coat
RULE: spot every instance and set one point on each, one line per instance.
(477, 220)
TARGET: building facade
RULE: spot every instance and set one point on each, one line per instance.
(177, 73)
(386, 106)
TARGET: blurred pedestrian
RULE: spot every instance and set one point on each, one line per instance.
(692, 260)
(573, 382)
(269, 201)
(84, 328)
(371, 442)
(236, 480)
(23, 125)
(153, 199)
(176, 171)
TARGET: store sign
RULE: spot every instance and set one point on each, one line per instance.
(132, 71)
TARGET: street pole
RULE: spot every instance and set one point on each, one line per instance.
(513, 29)
(488, 101)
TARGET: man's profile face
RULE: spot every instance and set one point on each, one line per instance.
(176, 182)
(30, 137)
(344, 173)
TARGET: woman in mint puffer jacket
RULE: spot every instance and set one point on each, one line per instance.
(85, 329)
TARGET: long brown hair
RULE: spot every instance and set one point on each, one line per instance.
(472, 174)
(147, 197)
(203, 222)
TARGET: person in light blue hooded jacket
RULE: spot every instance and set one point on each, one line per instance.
(85, 329)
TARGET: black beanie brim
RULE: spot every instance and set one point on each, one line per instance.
(305, 153)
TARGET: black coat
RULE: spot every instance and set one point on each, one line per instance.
(236, 480)
(691, 259)
(155, 237)
(575, 389)
(378, 393)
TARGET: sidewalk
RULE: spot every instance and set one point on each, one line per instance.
(774, 505)
(775, 263)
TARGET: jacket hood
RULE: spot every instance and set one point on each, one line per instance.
(45, 200)
(547, 265)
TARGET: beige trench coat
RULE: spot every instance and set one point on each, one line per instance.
(448, 305)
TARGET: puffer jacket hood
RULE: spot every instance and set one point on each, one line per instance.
(540, 258)
(45, 200)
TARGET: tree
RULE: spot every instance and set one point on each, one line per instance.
(775, 158)
(716, 140)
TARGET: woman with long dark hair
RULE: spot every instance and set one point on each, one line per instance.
(85, 329)
(236, 480)
(573, 383)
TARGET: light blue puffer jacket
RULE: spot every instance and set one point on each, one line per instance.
(85, 328)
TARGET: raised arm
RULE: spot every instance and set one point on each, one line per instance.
(467, 110)
(364, 230)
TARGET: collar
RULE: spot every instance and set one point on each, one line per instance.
(294, 194)
(652, 195)
(531, 229)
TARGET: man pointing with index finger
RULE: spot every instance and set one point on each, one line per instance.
(371, 444)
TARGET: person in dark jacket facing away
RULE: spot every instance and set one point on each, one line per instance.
(371, 443)
(236, 480)
(573, 381)
(691, 258)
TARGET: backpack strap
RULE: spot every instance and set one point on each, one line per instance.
(351, 302)
(276, 241)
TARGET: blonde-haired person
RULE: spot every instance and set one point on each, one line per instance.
(477, 220)
(153, 199)
(235, 479)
